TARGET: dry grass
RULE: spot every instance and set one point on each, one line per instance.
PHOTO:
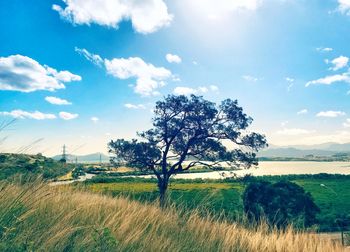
(36, 217)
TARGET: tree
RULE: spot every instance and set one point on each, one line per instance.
(280, 204)
(190, 131)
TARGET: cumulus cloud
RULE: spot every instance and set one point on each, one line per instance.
(57, 101)
(346, 124)
(67, 115)
(134, 106)
(172, 58)
(37, 115)
(328, 80)
(184, 91)
(148, 77)
(344, 6)
(293, 132)
(330, 113)
(21, 73)
(94, 119)
(339, 63)
(199, 90)
(145, 16)
(302, 112)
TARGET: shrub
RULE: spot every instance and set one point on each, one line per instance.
(281, 203)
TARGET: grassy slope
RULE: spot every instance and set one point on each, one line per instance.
(22, 164)
(41, 218)
(225, 197)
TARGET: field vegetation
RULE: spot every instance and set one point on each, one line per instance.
(37, 217)
(224, 198)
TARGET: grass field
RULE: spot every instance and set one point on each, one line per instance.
(224, 198)
(36, 217)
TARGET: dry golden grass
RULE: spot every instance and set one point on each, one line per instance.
(36, 217)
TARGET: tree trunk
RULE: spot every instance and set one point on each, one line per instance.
(163, 186)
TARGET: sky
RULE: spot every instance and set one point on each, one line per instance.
(83, 72)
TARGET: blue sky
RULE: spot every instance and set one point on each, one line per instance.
(81, 73)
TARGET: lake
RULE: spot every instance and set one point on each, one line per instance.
(277, 168)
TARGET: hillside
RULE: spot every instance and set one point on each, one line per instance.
(46, 218)
(23, 164)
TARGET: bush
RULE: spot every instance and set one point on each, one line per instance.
(281, 203)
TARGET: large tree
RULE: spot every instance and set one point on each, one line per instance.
(190, 131)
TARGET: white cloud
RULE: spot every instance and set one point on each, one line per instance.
(134, 106)
(67, 115)
(57, 101)
(214, 88)
(21, 73)
(94, 58)
(339, 63)
(328, 80)
(172, 58)
(148, 77)
(284, 123)
(346, 124)
(344, 6)
(330, 113)
(290, 83)
(302, 112)
(250, 78)
(216, 10)
(94, 119)
(146, 16)
(324, 49)
(184, 91)
(342, 136)
(293, 132)
(37, 115)
(195, 63)
(199, 90)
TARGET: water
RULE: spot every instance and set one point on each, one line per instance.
(87, 176)
(275, 168)
(265, 168)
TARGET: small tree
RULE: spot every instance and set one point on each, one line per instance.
(280, 204)
(188, 131)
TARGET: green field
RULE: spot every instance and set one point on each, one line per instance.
(223, 198)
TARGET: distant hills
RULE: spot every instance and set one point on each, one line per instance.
(89, 158)
(293, 151)
(299, 151)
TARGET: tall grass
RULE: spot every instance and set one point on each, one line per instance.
(37, 217)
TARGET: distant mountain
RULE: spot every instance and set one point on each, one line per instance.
(89, 158)
(293, 152)
(299, 151)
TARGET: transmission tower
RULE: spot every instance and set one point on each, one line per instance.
(64, 154)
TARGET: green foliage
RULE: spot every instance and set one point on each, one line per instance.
(224, 197)
(78, 171)
(281, 203)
